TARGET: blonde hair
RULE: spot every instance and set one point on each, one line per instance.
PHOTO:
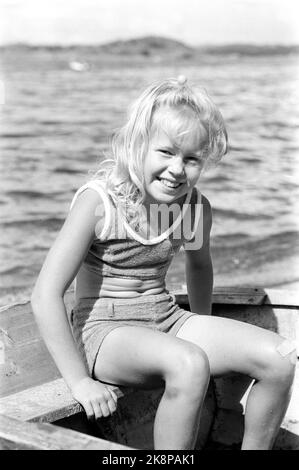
(123, 173)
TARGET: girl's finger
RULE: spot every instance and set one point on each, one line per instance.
(111, 405)
(89, 411)
(97, 410)
(105, 409)
(114, 396)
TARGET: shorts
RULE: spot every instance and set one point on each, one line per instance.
(93, 318)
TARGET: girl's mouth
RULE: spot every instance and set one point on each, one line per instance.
(169, 184)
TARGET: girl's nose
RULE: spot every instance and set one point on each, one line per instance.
(177, 167)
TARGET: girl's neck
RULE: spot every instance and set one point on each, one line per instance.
(155, 219)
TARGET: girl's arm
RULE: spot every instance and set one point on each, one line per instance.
(58, 271)
(199, 268)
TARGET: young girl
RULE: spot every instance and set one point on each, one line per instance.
(119, 238)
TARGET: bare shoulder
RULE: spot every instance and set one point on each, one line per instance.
(88, 208)
(91, 209)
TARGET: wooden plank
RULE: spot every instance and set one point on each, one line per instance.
(247, 296)
(45, 403)
(19, 435)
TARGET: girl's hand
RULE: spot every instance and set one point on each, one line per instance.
(96, 398)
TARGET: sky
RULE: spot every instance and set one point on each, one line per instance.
(195, 22)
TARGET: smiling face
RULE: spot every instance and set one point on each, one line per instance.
(174, 159)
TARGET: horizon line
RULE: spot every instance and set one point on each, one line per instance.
(136, 38)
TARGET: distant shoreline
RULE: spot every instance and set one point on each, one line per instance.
(152, 45)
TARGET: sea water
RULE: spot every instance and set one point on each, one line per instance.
(56, 123)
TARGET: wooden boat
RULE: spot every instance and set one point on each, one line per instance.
(37, 410)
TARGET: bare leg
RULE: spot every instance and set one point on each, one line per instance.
(234, 346)
(140, 357)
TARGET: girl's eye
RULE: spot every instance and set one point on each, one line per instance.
(166, 152)
(193, 159)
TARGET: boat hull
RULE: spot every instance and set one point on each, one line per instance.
(32, 390)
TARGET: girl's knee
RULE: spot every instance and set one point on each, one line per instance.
(193, 361)
(189, 367)
(280, 361)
